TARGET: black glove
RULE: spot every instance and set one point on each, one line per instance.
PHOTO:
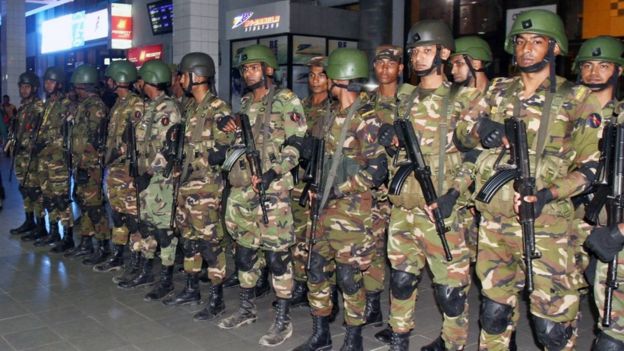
(590, 272)
(544, 196)
(114, 154)
(307, 148)
(386, 134)
(82, 176)
(38, 147)
(447, 201)
(490, 132)
(268, 177)
(223, 121)
(217, 157)
(605, 242)
(142, 181)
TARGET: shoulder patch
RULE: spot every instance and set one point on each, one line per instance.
(594, 120)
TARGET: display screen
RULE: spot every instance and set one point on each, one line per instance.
(63, 33)
(161, 16)
(96, 25)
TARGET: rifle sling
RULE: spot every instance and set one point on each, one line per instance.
(196, 134)
(447, 111)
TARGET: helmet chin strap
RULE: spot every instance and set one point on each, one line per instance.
(473, 72)
(353, 86)
(611, 82)
(189, 87)
(436, 64)
(536, 67)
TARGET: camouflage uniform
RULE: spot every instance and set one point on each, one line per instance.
(412, 237)
(243, 213)
(572, 143)
(345, 242)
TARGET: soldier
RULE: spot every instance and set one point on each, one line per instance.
(345, 242)
(121, 191)
(278, 129)
(562, 126)
(181, 97)
(433, 107)
(158, 126)
(23, 136)
(87, 138)
(53, 161)
(201, 185)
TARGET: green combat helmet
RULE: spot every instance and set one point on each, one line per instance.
(257, 53)
(30, 78)
(155, 72)
(473, 47)
(602, 48)
(122, 72)
(348, 64)
(198, 63)
(56, 74)
(540, 22)
(85, 74)
(430, 32)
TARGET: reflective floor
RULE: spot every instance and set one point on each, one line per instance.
(50, 303)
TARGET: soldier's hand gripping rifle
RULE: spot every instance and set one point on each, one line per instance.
(416, 164)
(604, 173)
(314, 185)
(132, 159)
(255, 163)
(174, 153)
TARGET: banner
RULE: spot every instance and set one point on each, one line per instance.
(142, 54)
(121, 26)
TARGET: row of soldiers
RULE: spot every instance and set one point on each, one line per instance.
(321, 192)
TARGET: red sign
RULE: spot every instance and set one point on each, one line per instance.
(121, 26)
(142, 54)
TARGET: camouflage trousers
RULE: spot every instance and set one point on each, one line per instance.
(469, 219)
(299, 251)
(344, 249)
(55, 186)
(93, 221)
(616, 329)
(121, 195)
(500, 267)
(374, 276)
(198, 220)
(413, 242)
(243, 219)
(31, 190)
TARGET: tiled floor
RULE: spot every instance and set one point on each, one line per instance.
(50, 303)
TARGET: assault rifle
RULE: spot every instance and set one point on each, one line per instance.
(314, 177)
(255, 163)
(133, 165)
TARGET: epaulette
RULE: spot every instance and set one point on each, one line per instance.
(405, 90)
(580, 92)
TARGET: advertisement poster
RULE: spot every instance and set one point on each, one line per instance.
(121, 26)
(304, 48)
(279, 45)
(142, 54)
(300, 81)
(236, 48)
(334, 44)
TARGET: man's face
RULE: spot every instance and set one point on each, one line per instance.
(183, 81)
(317, 80)
(387, 71)
(110, 83)
(252, 73)
(530, 49)
(25, 90)
(459, 68)
(422, 57)
(596, 72)
(49, 85)
(334, 89)
(139, 84)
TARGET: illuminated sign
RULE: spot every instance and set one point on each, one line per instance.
(267, 19)
(121, 26)
(96, 25)
(239, 20)
(63, 33)
(142, 54)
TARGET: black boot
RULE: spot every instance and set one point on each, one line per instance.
(299, 295)
(281, 329)
(335, 306)
(203, 274)
(372, 312)
(189, 295)
(605, 342)
(163, 287)
(143, 278)
(320, 339)
(39, 233)
(232, 280)
(114, 262)
(399, 341)
(26, 226)
(215, 306)
(52, 239)
(132, 269)
(100, 255)
(384, 335)
(246, 313)
(437, 345)
(262, 285)
(353, 338)
(84, 248)
(67, 243)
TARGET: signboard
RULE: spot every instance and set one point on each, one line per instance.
(63, 33)
(335, 44)
(304, 48)
(121, 26)
(267, 19)
(279, 46)
(513, 13)
(161, 16)
(142, 54)
(96, 25)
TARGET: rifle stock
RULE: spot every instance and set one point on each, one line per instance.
(316, 186)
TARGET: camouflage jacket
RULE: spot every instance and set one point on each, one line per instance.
(126, 109)
(56, 109)
(88, 119)
(315, 114)
(203, 137)
(160, 114)
(26, 119)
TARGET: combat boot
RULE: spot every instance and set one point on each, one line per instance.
(39, 233)
(215, 306)
(281, 329)
(232, 280)
(132, 269)
(28, 225)
(84, 248)
(372, 312)
(100, 255)
(164, 285)
(513, 346)
(299, 295)
(246, 313)
(67, 243)
(203, 274)
(399, 341)
(262, 285)
(437, 345)
(114, 262)
(353, 339)
(143, 278)
(335, 306)
(384, 335)
(52, 239)
(189, 295)
(320, 339)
